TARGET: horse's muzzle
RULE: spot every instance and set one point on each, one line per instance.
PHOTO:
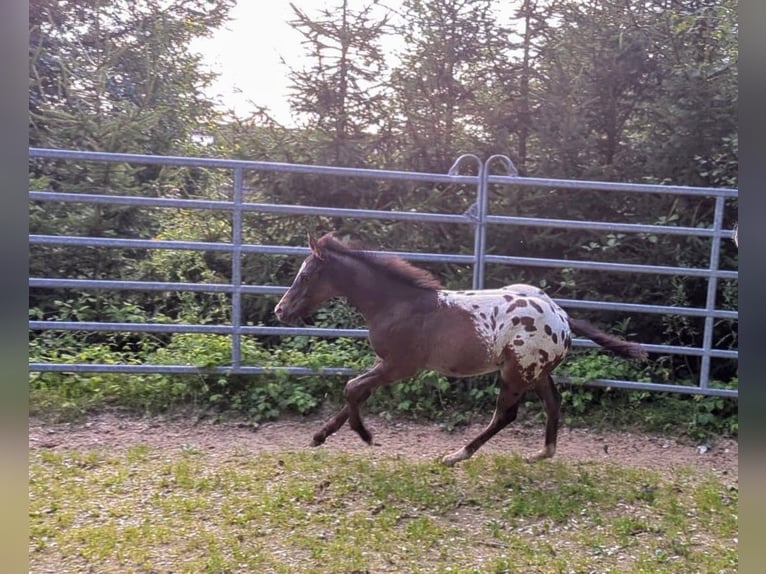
(281, 314)
(285, 317)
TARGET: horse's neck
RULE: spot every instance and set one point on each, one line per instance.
(371, 293)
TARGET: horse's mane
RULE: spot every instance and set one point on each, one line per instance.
(393, 266)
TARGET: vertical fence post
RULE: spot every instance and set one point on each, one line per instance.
(236, 270)
(481, 215)
(474, 213)
(712, 288)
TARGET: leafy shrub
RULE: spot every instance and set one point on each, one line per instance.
(426, 396)
(69, 395)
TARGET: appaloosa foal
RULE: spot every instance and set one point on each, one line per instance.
(414, 324)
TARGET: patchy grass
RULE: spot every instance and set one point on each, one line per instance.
(147, 510)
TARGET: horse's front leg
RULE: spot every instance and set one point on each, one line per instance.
(352, 392)
(330, 427)
(358, 390)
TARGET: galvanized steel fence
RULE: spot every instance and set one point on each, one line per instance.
(478, 216)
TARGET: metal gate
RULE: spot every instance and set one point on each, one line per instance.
(477, 217)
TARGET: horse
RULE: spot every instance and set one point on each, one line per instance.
(416, 324)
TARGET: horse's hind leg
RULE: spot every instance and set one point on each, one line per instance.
(551, 399)
(506, 409)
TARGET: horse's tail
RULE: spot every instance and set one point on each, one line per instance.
(616, 345)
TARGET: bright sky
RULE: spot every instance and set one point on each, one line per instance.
(246, 51)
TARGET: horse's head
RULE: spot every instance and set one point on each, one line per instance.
(310, 288)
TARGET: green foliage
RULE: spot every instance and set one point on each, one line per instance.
(590, 365)
(695, 416)
(266, 396)
(426, 394)
(66, 396)
(257, 397)
(715, 414)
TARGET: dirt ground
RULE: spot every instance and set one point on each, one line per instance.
(414, 440)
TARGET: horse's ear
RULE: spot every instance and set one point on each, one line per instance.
(314, 246)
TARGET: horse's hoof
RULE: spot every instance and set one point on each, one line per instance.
(540, 455)
(365, 435)
(317, 440)
(455, 457)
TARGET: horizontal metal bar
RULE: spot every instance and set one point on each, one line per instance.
(46, 153)
(668, 349)
(120, 243)
(95, 198)
(280, 209)
(259, 330)
(270, 166)
(117, 243)
(304, 331)
(272, 208)
(657, 387)
(192, 328)
(129, 327)
(186, 369)
(338, 371)
(614, 186)
(642, 308)
(425, 217)
(413, 256)
(607, 226)
(42, 282)
(612, 267)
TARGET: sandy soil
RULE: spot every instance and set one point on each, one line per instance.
(414, 440)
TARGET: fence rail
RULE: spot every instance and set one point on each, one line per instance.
(478, 217)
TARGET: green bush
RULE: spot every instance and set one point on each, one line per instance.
(426, 396)
(68, 395)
